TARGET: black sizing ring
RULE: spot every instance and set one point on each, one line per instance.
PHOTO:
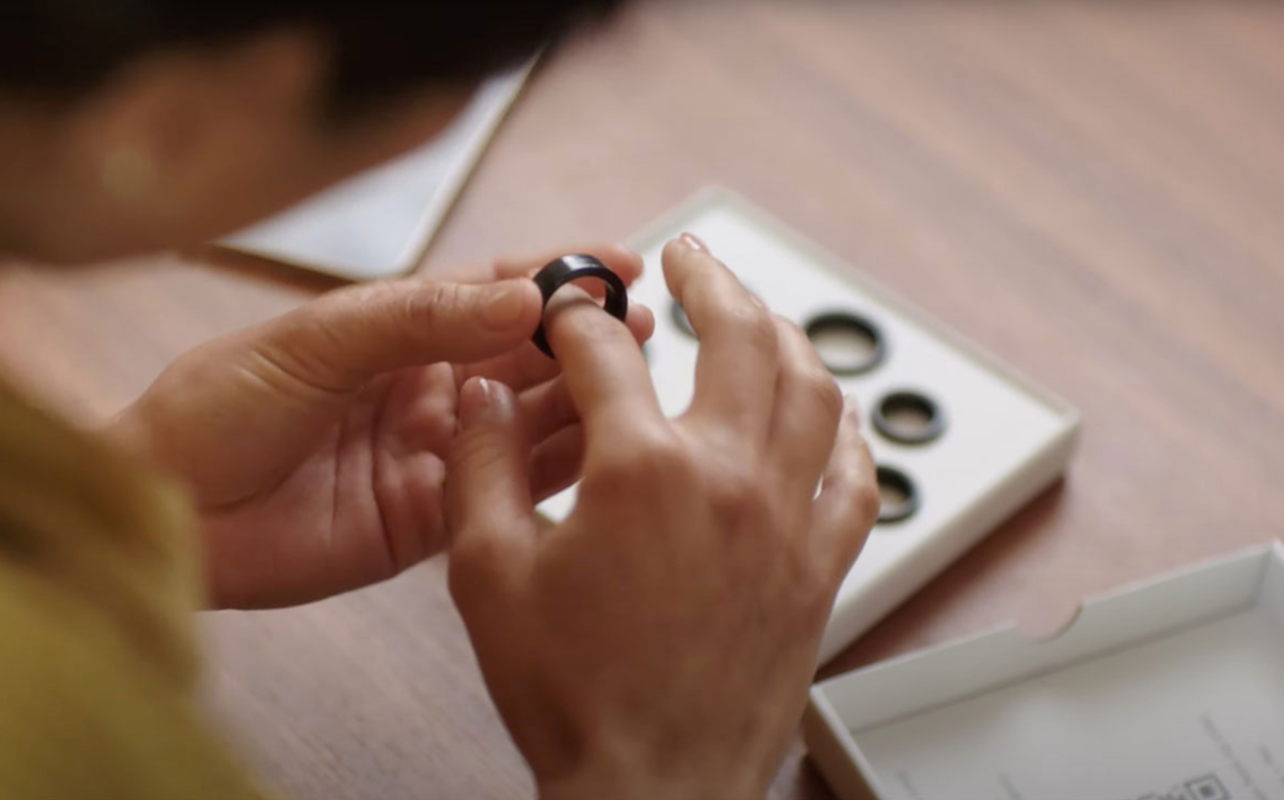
(900, 483)
(562, 271)
(852, 324)
(883, 417)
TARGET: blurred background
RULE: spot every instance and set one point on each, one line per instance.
(1094, 191)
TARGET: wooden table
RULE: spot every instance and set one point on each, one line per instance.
(1093, 191)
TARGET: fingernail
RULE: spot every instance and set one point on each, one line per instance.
(694, 242)
(476, 402)
(506, 305)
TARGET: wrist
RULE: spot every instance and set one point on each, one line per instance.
(625, 778)
(597, 784)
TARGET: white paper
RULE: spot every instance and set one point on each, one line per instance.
(1198, 715)
(378, 223)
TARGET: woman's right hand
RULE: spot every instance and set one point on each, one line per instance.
(660, 641)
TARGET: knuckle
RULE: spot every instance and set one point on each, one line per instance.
(476, 452)
(366, 294)
(858, 492)
(866, 501)
(593, 322)
(828, 395)
(646, 458)
(809, 371)
(740, 498)
(757, 329)
(788, 329)
(579, 316)
(429, 302)
(373, 302)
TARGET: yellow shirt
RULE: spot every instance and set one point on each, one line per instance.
(98, 583)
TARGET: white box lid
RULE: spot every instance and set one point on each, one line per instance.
(1171, 689)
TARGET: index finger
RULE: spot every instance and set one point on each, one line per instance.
(738, 359)
(603, 366)
(526, 366)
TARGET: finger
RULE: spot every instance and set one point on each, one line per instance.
(547, 408)
(556, 462)
(619, 259)
(602, 364)
(526, 366)
(847, 506)
(340, 341)
(738, 358)
(489, 511)
(808, 407)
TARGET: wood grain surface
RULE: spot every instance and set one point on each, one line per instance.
(1094, 191)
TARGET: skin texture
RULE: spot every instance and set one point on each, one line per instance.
(659, 642)
(316, 446)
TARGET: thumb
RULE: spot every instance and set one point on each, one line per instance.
(489, 511)
(341, 340)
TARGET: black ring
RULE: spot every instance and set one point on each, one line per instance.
(562, 271)
(891, 476)
(847, 321)
(905, 398)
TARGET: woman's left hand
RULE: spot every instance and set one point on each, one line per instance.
(313, 444)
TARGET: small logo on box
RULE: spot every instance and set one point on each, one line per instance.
(1207, 788)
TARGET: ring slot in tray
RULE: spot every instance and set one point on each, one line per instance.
(1006, 438)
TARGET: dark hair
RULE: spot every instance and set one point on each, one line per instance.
(379, 47)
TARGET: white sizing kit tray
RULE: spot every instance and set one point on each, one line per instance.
(994, 439)
(1170, 690)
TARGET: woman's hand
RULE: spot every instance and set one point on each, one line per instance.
(660, 641)
(314, 444)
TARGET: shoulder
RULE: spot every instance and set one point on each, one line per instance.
(88, 714)
(96, 650)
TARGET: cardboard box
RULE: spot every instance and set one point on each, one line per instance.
(1169, 690)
